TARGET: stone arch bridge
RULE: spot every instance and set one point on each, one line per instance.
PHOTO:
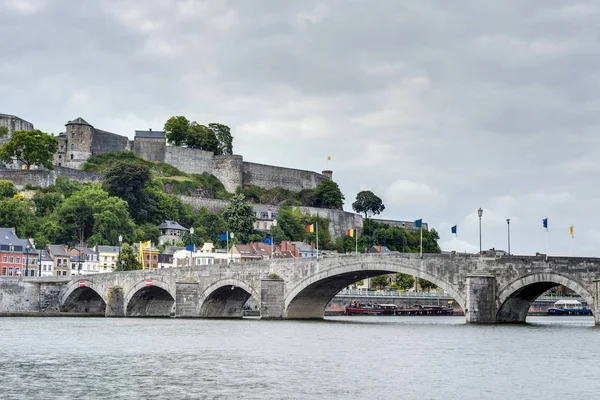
(489, 290)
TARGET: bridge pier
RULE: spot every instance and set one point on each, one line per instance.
(481, 299)
(187, 299)
(596, 305)
(115, 306)
(272, 301)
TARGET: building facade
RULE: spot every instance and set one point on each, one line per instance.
(13, 123)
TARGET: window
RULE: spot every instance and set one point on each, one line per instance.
(72, 147)
(264, 215)
(11, 259)
(71, 156)
(73, 134)
(18, 260)
(4, 259)
(59, 156)
(59, 164)
(3, 270)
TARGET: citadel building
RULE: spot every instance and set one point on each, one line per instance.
(13, 123)
(81, 140)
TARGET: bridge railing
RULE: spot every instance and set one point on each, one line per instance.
(391, 293)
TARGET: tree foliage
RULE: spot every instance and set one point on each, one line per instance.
(367, 201)
(128, 258)
(176, 130)
(31, 148)
(128, 181)
(3, 131)
(202, 138)
(7, 188)
(404, 281)
(380, 281)
(224, 138)
(239, 216)
(329, 195)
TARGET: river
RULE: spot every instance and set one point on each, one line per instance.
(339, 358)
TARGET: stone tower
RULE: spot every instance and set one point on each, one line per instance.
(78, 146)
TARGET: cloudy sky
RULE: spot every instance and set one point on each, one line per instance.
(438, 107)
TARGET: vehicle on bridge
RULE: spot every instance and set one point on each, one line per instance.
(569, 307)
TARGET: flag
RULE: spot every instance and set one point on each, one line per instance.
(351, 232)
(190, 247)
(572, 230)
(310, 228)
(419, 223)
(545, 222)
(328, 158)
(268, 241)
(223, 237)
(146, 245)
(453, 229)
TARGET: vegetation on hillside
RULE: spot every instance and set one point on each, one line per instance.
(165, 176)
(215, 137)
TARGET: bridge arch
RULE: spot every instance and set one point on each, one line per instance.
(154, 300)
(308, 298)
(84, 296)
(226, 298)
(513, 300)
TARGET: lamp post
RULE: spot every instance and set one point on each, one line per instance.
(273, 226)
(508, 227)
(191, 245)
(39, 262)
(480, 213)
(119, 265)
(27, 258)
(79, 268)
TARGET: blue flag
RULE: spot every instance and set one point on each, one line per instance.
(223, 237)
(190, 247)
(545, 222)
(453, 229)
(268, 241)
(419, 223)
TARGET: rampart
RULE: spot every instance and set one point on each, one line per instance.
(104, 142)
(269, 176)
(44, 178)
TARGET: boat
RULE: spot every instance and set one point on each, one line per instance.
(569, 307)
(425, 310)
(356, 308)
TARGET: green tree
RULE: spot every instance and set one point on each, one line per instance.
(31, 148)
(213, 223)
(404, 281)
(129, 260)
(3, 131)
(380, 281)
(177, 129)
(7, 188)
(46, 203)
(329, 195)
(426, 285)
(239, 216)
(201, 137)
(224, 138)
(111, 221)
(127, 180)
(146, 232)
(18, 213)
(367, 201)
(289, 225)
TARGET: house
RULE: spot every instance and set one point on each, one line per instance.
(165, 259)
(18, 257)
(244, 253)
(108, 257)
(84, 261)
(305, 249)
(148, 256)
(47, 262)
(286, 250)
(380, 249)
(171, 232)
(265, 251)
(61, 259)
(265, 215)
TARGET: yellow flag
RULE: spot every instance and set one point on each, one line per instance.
(328, 158)
(572, 230)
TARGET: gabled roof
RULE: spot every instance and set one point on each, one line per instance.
(78, 121)
(8, 237)
(246, 250)
(108, 249)
(85, 250)
(58, 250)
(172, 225)
(150, 134)
(172, 249)
(46, 256)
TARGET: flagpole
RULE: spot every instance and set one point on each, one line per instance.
(421, 249)
(546, 244)
(356, 239)
(228, 255)
(317, 226)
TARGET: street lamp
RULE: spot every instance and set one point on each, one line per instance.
(508, 227)
(39, 261)
(79, 269)
(192, 243)
(480, 213)
(119, 265)
(27, 262)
